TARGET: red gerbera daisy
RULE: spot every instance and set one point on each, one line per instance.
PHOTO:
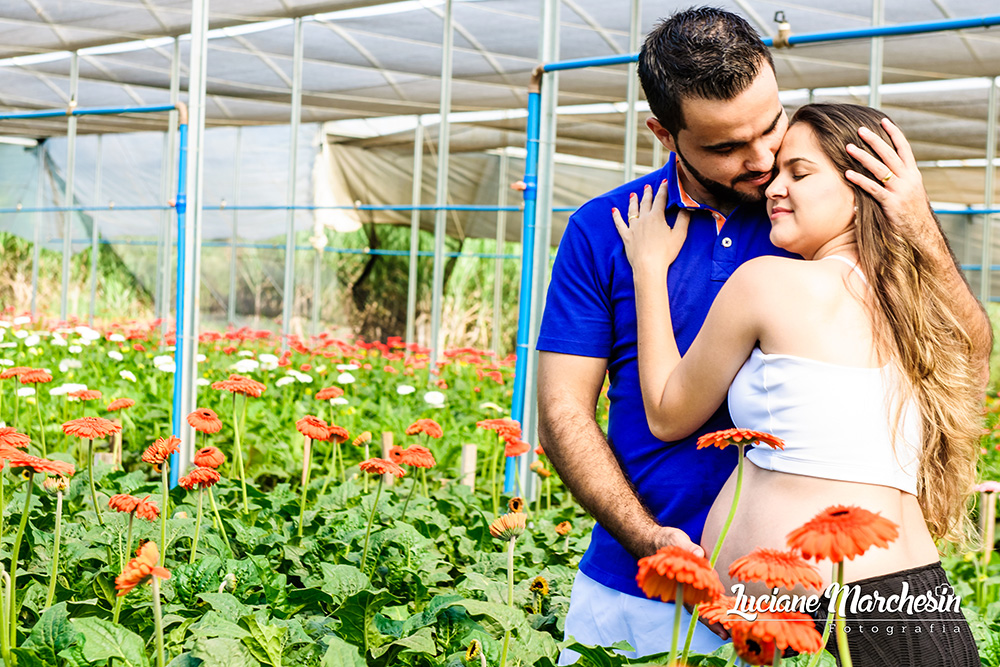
(660, 573)
(201, 477)
(37, 464)
(329, 393)
(85, 394)
(339, 434)
(204, 420)
(363, 439)
(505, 428)
(12, 438)
(515, 447)
(239, 384)
(14, 371)
(418, 457)
(160, 451)
(35, 376)
(140, 569)
(777, 569)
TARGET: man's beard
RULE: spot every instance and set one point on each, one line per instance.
(727, 194)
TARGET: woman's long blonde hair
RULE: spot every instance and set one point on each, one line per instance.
(916, 326)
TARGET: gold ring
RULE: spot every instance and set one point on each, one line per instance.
(887, 177)
(634, 217)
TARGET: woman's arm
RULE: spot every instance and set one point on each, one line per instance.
(680, 394)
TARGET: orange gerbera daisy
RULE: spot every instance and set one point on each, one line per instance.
(717, 611)
(736, 436)
(90, 428)
(85, 395)
(660, 573)
(338, 434)
(753, 649)
(140, 569)
(204, 420)
(427, 426)
(363, 439)
(329, 393)
(203, 478)
(785, 629)
(516, 504)
(377, 466)
(38, 464)
(35, 376)
(840, 532)
(396, 454)
(123, 502)
(781, 569)
(418, 457)
(509, 526)
(239, 384)
(160, 451)
(313, 427)
(505, 428)
(209, 457)
(12, 438)
(539, 469)
(147, 509)
(563, 528)
(14, 371)
(515, 447)
(120, 404)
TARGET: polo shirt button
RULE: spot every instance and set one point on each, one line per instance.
(726, 242)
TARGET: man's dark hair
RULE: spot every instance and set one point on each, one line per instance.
(700, 52)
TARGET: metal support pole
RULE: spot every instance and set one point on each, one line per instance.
(231, 306)
(37, 232)
(988, 198)
(74, 84)
(189, 240)
(657, 153)
(93, 230)
(167, 176)
(533, 285)
(502, 180)
(415, 199)
(441, 198)
(288, 290)
(876, 56)
(632, 92)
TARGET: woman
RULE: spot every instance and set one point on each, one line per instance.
(854, 357)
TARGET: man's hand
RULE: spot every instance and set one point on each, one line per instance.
(665, 536)
(895, 181)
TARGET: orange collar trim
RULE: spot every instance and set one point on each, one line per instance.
(688, 202)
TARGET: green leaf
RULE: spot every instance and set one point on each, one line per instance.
(104, 640)
(222, 652)
(342, 581)
(422, 641)
(28, 657)
(357, 618)
(52, 634)
(214, 624)
(500, 618)
(225, 604)
(266, 641)
(341, 654)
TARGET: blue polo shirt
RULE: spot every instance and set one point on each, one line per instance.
(590, 312)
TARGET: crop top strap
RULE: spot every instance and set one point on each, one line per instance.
(854, 266)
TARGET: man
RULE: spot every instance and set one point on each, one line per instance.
(712, 91)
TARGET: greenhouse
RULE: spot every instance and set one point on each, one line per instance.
(274, 275)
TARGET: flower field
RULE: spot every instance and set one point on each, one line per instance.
(293, 541)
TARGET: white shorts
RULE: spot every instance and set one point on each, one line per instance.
(601, 616)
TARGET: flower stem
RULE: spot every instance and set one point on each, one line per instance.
(493, 481)
(163, 513)
(423, 481)
(413, 488)
(678, 607)
(158, 617)
(55, 551)
(4, 594)
(197, 525)
(371, 518)
(239, 453)
(510, 597)
(306, 465)
(12, 614)
(690, 634)
(842, 648)
(118, 609)
(41, 427)
(368, 455)
(90, 475)
(222, 527)
(732, 509)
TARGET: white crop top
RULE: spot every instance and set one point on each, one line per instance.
(834, 419)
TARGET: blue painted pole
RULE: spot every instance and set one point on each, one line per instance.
(92, 111)
(527, 271)
(175, 458)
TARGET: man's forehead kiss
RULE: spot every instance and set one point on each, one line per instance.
(722, 145)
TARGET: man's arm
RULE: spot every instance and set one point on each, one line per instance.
(568, 389)
(906, 205)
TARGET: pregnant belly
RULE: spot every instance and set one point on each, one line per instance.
(772, 504)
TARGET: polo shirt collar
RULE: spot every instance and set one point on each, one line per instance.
(679, 198)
